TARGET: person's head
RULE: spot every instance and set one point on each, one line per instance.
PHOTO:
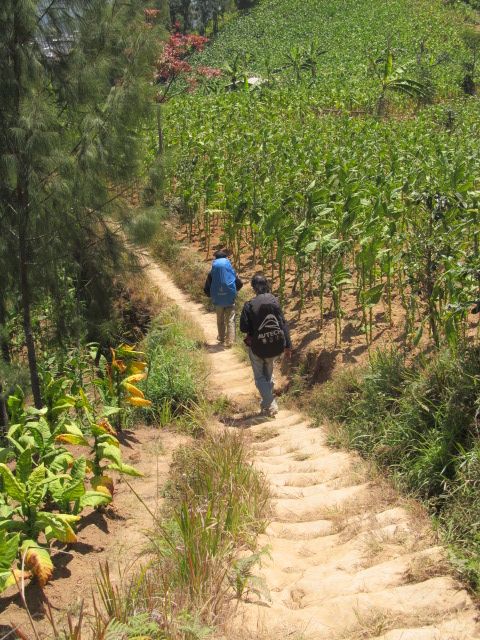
(220, 254)
(260, 284)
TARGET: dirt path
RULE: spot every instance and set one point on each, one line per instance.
(118, 535)
(349, 558)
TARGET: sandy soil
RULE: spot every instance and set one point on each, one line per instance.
(117, 535)
(349, 558)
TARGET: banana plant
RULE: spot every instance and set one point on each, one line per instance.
(394, 79)
(236, 72)
(300, 59)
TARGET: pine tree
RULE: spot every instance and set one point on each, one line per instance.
(75, 91)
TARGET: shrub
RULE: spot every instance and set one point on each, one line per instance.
(177, 365)
(145, 224)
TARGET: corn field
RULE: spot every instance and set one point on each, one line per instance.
(306, 176)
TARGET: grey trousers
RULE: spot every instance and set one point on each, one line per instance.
(226, 324)
(264, 381)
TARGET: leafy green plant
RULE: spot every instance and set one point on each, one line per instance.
(394, 79)
(117, 383)
(24, 514)
(312, 185)
(244, 581)
(304, 59)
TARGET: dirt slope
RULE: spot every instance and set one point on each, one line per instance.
(349, 558)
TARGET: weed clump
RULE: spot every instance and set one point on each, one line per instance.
(177, 366)
(202, 553)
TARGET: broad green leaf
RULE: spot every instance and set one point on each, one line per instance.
(61, 462)
(79, 469)
(110, 452)
(7, 579)
(69, 438)
(110, 411)
(13, 488)
(70, 427)
(5, 454)
(65, 403)
(23, 468)
(8, 549)
(372, 296)
(73, 491)
(57, 526)
(36, 486)
(94, 499)
(125, 468)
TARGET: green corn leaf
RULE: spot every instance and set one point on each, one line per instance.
(372, 296)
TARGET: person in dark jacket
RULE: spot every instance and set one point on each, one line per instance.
(221, 286)
(268, 336)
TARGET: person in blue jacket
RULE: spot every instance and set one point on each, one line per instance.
(221, 286)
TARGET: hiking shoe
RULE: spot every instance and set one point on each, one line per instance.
(271, 412)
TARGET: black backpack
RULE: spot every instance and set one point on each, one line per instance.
(268, 340)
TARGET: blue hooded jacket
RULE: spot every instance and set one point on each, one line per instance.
(223, 290)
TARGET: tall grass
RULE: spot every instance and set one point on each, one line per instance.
(177, 366)
(201, 552)
(420, 421)
(217, 505)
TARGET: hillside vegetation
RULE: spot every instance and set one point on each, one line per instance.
(350, 174)
(355, 164)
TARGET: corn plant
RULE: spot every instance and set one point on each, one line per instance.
(312, 183)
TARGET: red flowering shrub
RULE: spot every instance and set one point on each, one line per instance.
(173, 63)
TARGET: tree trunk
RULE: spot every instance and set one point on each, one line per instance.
(27, 319)
(215, 22)
(22, 213)
(4, 346)
(3, 414)
(159, 130)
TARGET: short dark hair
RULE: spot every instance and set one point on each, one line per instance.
(220, 254)
(260, 284)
